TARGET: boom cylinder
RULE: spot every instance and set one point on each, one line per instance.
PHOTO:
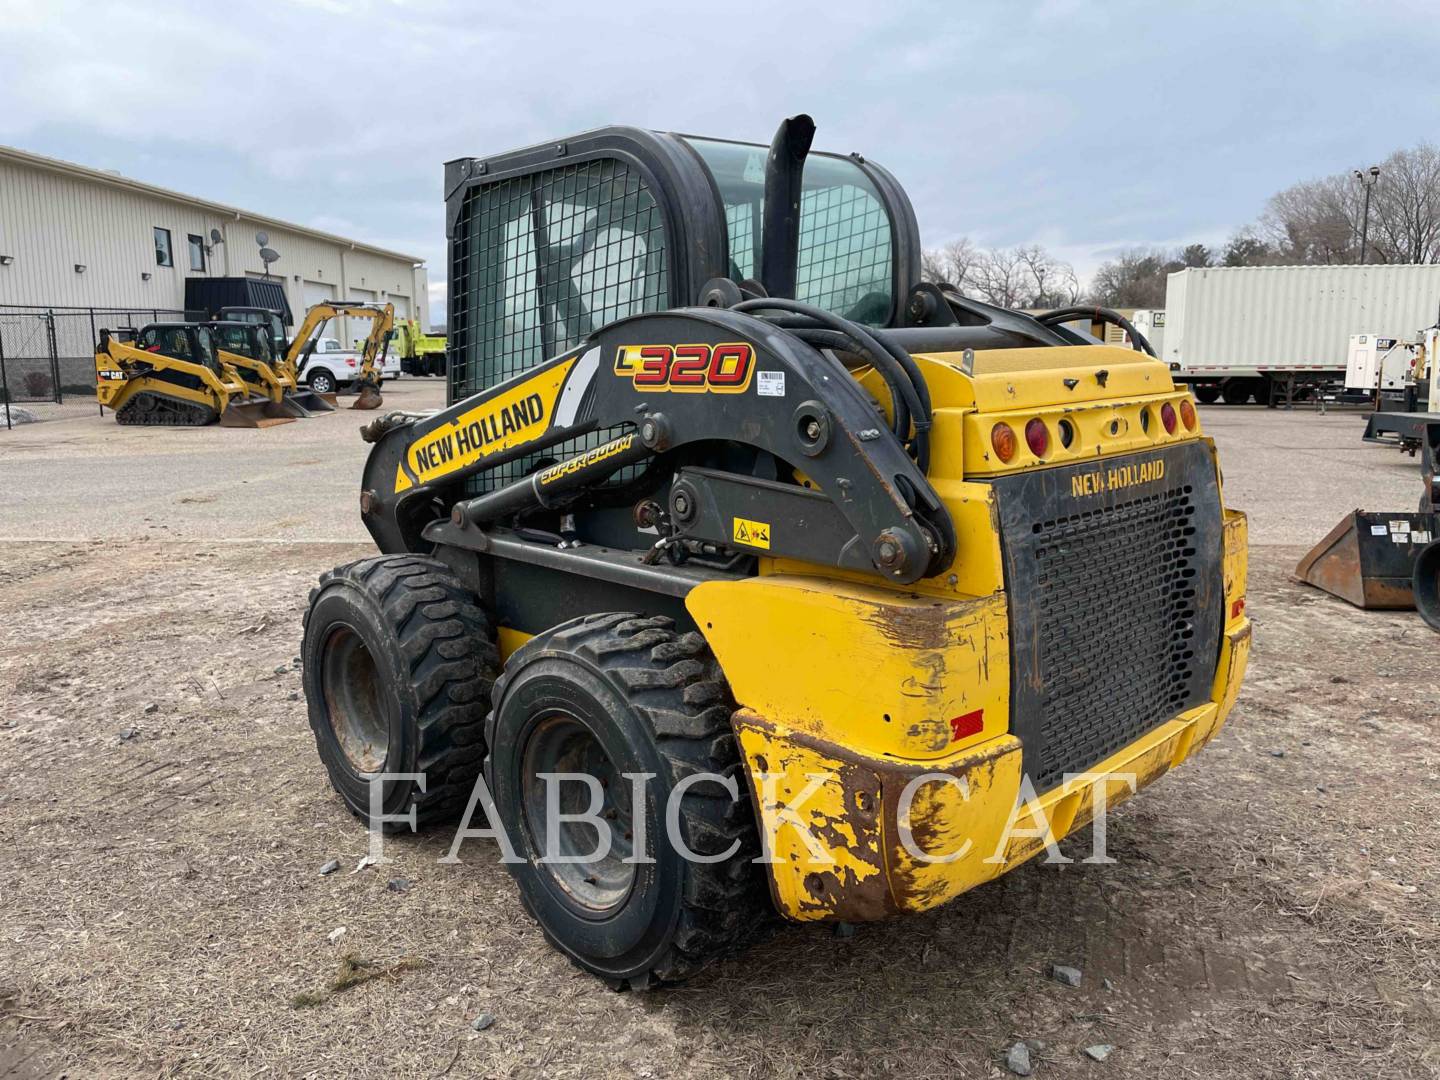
(546, 488)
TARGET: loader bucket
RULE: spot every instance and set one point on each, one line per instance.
(255, 414)
(311, 402)
(1369, 558)
(368, 398)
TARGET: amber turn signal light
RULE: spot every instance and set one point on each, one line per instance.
(1002, 438)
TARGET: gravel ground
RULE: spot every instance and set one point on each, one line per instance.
(1274, 910)
(84, 476)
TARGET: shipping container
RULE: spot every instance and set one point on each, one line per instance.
(1264, 324)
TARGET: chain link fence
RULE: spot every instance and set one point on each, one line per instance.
(48, 353)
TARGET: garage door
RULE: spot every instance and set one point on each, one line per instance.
(359, 329)
(402, 305)
(318, 292)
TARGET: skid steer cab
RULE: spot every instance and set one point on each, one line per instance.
(172, 374)
(747, 574)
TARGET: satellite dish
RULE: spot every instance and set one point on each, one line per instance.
(215, 237)
(268, 255)
(262, 238)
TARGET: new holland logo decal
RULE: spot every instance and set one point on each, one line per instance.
(1120, 476)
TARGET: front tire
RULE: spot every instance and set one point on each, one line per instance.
(398, 661)
(610, 695)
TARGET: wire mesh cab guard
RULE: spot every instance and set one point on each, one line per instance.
(550, 243)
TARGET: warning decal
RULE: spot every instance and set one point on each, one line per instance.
(754, 533)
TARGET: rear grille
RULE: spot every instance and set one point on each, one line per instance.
(1115, 609)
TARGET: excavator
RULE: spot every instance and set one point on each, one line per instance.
(246, 347)
(174, 374)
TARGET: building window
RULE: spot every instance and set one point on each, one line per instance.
(197, 252)
(162, 248)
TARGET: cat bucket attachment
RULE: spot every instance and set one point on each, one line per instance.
(1369, 558)
(260, 413)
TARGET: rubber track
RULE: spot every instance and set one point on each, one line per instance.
(162, 411)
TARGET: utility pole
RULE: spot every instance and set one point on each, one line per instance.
(1367, 181)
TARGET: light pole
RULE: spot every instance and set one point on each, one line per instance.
(1367, 181)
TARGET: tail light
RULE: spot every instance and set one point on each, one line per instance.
(350, 363)
(1002, 439)
(1037, 437)
(1167, 417)
(1187, 415)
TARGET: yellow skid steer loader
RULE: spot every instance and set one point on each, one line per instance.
(246, 347)
(746, 573)
(171, 374)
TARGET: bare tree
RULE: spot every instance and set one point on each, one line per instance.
(1314, 222)
(1047, 281)
(1001, 277)
(951, 264)
(1135, 278)
(1320, 221)
(1405, 207)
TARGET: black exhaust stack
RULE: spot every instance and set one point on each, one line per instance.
(780, 236)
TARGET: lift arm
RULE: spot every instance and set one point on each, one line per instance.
(670, 383)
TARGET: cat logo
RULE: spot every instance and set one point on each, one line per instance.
(753, 533)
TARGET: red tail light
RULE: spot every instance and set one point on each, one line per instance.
(1002, 438)
(1037, 437)
(1187, 415)
(1167, 417)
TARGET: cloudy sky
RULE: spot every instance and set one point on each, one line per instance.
(1084, 126)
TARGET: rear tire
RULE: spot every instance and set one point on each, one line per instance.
(609, 695)
(1236, 392)
(398, 661)
(1206, 393)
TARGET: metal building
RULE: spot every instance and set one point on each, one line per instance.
(72, 236)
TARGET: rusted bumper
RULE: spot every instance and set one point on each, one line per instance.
(883, 836)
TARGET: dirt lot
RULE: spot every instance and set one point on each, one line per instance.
(163, 819)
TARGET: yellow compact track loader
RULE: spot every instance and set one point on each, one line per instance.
(172, 374)
(246, 348)
(747, 573)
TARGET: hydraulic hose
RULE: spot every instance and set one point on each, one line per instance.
(902, 376)
(1101, 314)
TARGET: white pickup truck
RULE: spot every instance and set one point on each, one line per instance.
(332, 366)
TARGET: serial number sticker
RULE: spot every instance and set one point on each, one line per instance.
(1420, 537)
(754, 533)
(1377, 530)
(1400, 538)
(1399, 526)
(770, 383)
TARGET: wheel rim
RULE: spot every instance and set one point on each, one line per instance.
(563, 744)
(320, 384)
(354, 702)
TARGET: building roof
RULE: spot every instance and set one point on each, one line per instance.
(25, 157)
